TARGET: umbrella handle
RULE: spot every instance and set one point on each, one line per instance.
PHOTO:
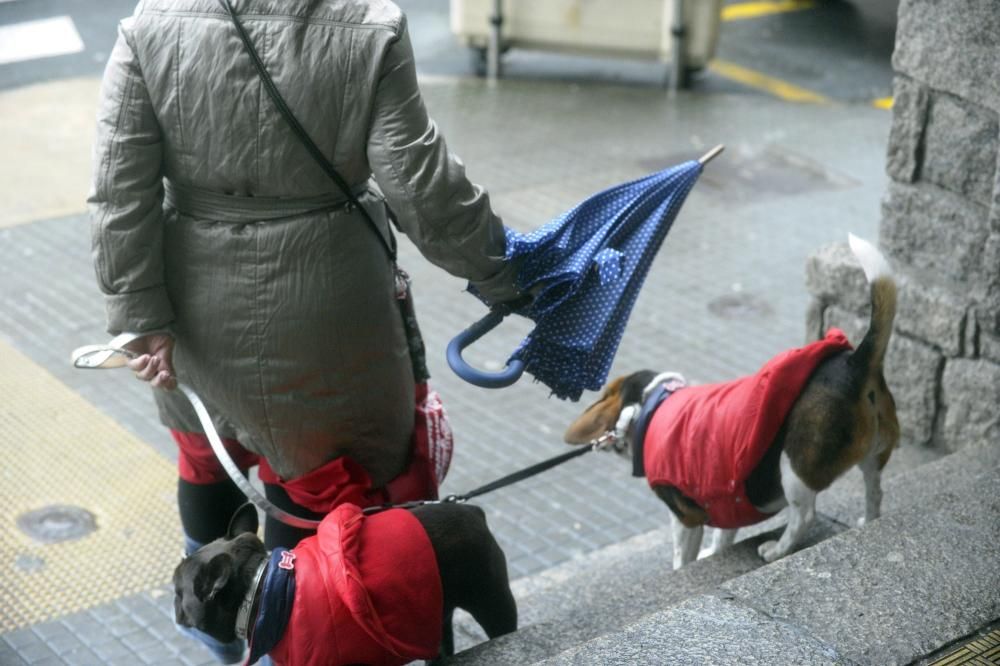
(505, 377)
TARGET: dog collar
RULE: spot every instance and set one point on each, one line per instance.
(658, 390)
(246, 606)
(274, 605)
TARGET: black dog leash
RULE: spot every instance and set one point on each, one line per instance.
(503, 481)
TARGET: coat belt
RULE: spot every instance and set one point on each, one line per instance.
(206, 204)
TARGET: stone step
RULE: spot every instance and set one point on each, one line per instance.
(611, 596)
(606, 590)
(925, 574)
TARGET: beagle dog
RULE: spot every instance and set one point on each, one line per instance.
(733, 454)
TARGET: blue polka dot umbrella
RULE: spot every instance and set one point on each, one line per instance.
(585, 270)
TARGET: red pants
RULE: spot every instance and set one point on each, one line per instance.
(340, 481)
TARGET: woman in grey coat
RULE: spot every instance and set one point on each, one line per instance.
(214, 231)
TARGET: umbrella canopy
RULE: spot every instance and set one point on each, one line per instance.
(584, 270)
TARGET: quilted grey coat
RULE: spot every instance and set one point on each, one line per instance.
(210, 219)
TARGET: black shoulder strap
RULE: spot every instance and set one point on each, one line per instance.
(300, 132)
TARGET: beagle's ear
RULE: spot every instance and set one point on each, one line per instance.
(244, 520)
(599, 418)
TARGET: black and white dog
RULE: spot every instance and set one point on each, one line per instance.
(364, 589)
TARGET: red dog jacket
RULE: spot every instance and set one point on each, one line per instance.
(706, 440)
(366, 591)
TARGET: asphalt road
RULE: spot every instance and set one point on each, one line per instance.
(837, 49)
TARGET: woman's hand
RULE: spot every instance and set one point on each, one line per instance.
(155, 361)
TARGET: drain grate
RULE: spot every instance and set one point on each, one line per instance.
(56, 523)
(981, 651)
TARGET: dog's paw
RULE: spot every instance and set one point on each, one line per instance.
(768, 551)
(861, 521)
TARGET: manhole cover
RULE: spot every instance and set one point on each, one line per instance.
(60, 522)
(739, 306)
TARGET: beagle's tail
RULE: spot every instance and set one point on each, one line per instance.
(871, 352)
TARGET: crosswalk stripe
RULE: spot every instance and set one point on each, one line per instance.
(39, 39)
(750, 10)
(781, 89)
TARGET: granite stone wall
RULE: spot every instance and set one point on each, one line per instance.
(940, 228)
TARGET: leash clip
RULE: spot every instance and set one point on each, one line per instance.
(615, 439)
(609, 441)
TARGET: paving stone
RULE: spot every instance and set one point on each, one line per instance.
(81, 656)
(49, 661)
(89, 628)
(139, 640)
(20, 638)
(49, 631)
(9, 656)
(195, 655)
(157, 655)
(63, 643)
(35, 652)
(113, 651)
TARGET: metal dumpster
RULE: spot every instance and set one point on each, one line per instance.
(627, 28)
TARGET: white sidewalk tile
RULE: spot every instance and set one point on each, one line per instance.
(43, 38)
